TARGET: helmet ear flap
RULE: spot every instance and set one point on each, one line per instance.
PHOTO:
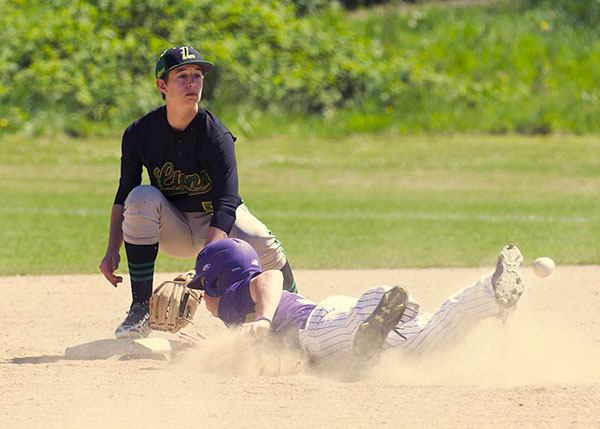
(219, 281)
(216, 287)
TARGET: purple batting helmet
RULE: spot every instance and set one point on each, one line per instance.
(222, 263)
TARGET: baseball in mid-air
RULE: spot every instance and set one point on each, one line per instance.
(543, 266)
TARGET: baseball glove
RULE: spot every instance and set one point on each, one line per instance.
(173, 304)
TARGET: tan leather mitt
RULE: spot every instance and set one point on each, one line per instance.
(173, 304)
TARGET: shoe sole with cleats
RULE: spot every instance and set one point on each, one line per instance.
(507, 280)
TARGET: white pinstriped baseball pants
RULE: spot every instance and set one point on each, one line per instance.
(150, 218)
(332, 325)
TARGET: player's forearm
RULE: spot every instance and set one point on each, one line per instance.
(265, 291)
(224, 214)
(214, 234)
(223, 167)
(115, 234)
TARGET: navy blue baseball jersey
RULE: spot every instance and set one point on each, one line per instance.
(195, 168)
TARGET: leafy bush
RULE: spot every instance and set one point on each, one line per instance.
(491, 69)
(578, 11)
(93, 60)
(306, 7)
(353, 4)
(86, 67)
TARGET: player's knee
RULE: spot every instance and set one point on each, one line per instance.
(141, 215)
(146, 195)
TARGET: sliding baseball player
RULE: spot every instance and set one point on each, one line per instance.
(238, 292)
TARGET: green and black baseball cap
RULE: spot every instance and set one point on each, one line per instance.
(178, 56)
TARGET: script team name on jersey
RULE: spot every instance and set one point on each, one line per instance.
(175, 182)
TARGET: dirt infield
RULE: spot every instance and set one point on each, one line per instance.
(541, 368)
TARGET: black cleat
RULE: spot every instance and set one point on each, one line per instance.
(136, 324)
(371, 334)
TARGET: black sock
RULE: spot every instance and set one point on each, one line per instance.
(288, 278)
(140, 259)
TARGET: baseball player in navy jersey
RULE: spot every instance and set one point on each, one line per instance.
(240, 293)
(192, 198)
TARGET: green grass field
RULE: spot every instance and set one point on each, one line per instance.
(367, 201)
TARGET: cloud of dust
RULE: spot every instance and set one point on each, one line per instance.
(231, 353)
(522, 351)
(234, 354)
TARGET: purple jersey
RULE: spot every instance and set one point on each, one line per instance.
(236, 307)
(293, 310)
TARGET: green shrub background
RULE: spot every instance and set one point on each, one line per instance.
(86, 67)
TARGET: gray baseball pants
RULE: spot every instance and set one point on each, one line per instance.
(150, 218)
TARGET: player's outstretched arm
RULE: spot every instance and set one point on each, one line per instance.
(112, 258)
(265, 291)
